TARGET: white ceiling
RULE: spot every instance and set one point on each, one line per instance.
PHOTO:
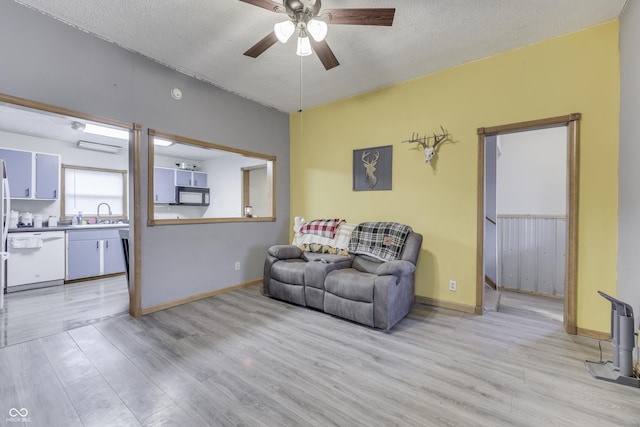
(206, 39)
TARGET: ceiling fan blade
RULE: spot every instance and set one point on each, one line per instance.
(266, 4)
(325, 54)
(264, 44)
(361, 16)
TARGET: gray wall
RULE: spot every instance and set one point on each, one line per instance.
(629, 170)
(44, 60)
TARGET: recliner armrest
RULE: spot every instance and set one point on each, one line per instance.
(396, 268)
(285, 251)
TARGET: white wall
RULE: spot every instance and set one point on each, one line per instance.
(225, 183)
(532, 172)
(69, 154)
(629, 172)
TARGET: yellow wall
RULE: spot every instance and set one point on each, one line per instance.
(574, 73)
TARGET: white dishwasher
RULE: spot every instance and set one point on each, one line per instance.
(36, 260)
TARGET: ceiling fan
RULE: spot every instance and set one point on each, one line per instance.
(306, 19)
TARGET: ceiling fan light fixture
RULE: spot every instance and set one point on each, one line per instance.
(304, 45)
(284, 30)
(317, 29)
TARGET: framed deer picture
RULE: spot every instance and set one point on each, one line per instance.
(372, 168)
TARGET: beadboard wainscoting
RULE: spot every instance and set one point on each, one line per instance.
(532, 252)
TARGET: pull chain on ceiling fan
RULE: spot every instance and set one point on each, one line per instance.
(306, 19)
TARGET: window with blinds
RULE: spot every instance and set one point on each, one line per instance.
(83, 189)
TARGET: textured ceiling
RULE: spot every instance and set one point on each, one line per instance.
(206, 39)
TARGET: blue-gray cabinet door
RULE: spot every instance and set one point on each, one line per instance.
(164, 185)
(113, 257)
(199, 179)
(47, 176)
(183, 178)
(83, 259)
(19, 171)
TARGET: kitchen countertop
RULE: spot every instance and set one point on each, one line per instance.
(67, 227)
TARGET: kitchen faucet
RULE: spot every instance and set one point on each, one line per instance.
(98, 211)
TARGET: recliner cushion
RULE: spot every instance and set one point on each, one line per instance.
(289, 271)
(351, 284)
(285, 251)
(366, 264)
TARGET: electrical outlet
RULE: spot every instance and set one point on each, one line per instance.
(453, 285)
(237, 265)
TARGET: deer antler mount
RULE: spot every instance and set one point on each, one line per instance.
(423, 141)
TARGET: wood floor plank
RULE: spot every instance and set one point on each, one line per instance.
(30, 383)
(142, 396)
(95, 401)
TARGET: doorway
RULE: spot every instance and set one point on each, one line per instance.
(255, 190)
(29, 126)
(487, 262)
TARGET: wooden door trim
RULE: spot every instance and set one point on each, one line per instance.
(572, 121)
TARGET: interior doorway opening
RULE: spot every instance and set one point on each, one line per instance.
(32, 127)
(489, 270)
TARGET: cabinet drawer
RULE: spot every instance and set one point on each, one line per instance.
(111, 233)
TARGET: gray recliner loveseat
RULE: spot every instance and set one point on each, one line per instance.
(357, 287)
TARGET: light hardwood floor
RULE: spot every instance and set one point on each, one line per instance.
(37, 313)
(243, 359)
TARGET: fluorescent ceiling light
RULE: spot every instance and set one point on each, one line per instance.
(96, 146)
(162, 142)
(317, 29)
(284, 30)
(101, 130)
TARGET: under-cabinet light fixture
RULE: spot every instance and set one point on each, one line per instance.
(101, 130)
(96, 146)
(162, 142)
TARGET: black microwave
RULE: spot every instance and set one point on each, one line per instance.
(192, 196)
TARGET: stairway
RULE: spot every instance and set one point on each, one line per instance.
(491, 298)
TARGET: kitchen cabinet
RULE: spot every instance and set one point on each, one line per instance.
(47, 175)
(183, 177)
(27, 169)
(83, 258)
(93, 253)
(19, 171)
(165, 181)
(113, 256)
(199, 179)
(186, 178)
(164, 185)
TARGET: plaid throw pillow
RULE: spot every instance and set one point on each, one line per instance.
(322, 227)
